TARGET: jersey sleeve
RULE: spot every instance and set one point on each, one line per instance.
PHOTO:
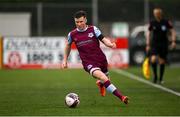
(150, 26)
(98, 33)
(169, 24)
(69, 39)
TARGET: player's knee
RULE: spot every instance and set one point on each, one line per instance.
(162, 61)
(100, 75)
(103, 77)
(153, 59)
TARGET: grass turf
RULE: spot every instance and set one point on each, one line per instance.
(42, 92)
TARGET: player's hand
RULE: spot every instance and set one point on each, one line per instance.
(173, 45)
(147, 48)
(113, 45)
(64, 64)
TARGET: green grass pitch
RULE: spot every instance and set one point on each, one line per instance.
(42, 92)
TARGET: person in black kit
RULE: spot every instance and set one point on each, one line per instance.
(159, 29)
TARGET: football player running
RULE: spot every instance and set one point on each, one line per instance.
(86, 39)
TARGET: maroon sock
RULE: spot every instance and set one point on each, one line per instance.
(101, 84)
(111, 88)
(107, 83)
(118, 94)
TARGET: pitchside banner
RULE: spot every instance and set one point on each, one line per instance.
(47, 52)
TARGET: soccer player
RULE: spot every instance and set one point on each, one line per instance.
(159, 29)
(86, 39)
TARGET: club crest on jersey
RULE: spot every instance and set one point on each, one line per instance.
(90, 35)
(89, 67)
(163, 28)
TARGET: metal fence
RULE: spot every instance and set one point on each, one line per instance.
(55, 19)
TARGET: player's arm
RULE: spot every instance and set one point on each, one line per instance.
(66, 54)
(67, 51)
(148, 37)
(173, 34)
(108, 43)
(103, 39)
(173, 38)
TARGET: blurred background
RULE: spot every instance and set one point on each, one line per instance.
(41, 18)
(54, 17)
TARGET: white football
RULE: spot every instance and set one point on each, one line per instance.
(72, 100)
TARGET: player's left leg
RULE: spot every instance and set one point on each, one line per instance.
(154, 67)
(162, 69)
(110, 87)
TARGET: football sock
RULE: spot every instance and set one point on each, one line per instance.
(154, 67)
(101, 83)
(162, 68)
(111, 88)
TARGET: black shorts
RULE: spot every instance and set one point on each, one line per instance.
(160, 51)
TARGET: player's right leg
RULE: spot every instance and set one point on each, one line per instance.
(162, 69)
(109, 87)
(101, 87)
(99, 83)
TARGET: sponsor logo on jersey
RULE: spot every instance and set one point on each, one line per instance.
(81, 43)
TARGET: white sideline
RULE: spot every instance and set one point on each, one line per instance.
(135, 77)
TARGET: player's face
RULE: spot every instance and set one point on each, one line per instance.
(157, 14)
(80, 22)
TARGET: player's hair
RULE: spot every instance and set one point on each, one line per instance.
(79, 14)
(158, 8)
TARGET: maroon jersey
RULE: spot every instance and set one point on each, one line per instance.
(88, 45)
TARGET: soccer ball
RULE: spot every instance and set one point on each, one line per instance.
(72, 100)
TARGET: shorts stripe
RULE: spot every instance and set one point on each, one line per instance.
(93, 69)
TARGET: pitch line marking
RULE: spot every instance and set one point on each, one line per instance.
(138, 78)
